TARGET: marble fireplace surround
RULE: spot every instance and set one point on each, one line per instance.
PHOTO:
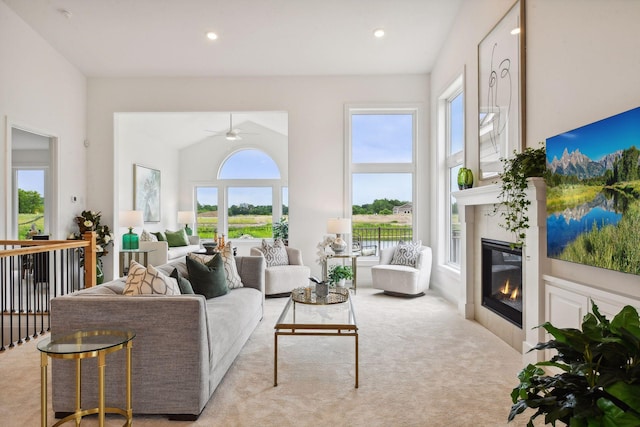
(475, 207)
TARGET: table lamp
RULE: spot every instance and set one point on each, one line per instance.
(187, 218)
(131, 219)
(339, 226)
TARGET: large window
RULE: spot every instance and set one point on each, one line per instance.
(250, 212)
(452, 110)
(249, 189)
(207, 212)
(382, 153)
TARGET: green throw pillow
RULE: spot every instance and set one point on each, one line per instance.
(160, 235)
(183, 283)
(208, 279)
(177, 238)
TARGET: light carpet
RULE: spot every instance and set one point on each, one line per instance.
(421, 364)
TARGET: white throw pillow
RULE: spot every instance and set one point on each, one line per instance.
(145, 236)
(230, 268)
(275, 254)
(407, 253)
(147, 281)
(201, 258)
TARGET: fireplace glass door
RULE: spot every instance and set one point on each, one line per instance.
(502, 280)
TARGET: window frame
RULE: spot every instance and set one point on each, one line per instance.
(223, 185)
(449, 161)
(362, 168)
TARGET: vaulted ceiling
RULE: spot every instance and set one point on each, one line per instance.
(146, 38)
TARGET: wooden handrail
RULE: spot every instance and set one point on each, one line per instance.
(39, 246)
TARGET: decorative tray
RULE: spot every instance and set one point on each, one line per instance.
(308, 296)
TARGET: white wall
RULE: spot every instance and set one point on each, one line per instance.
(316, 133)
(135, 146)
(582, 65)
(42, 92)
(576, 77)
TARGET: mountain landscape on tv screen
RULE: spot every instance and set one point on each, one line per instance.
(593, 194)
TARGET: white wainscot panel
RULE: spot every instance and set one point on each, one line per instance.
(568, 302)
(564, 309)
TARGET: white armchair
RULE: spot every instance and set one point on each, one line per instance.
(402, 279)
(282, 279)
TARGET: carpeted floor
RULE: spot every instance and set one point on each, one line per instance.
(421, 364)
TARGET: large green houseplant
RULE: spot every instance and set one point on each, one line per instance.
(598, 384)
(513, 197)
(281, 230)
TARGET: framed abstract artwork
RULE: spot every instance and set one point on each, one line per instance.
(146, 192)
(501, 83)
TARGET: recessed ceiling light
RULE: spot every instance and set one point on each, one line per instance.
(379, 32)
(211, 35)
(515, 31)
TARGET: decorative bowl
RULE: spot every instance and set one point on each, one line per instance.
(210, 247)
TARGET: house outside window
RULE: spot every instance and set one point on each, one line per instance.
(381, 158)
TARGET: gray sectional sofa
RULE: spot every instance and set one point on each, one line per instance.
(184, 344)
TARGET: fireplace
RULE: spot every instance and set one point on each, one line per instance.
(502, 280)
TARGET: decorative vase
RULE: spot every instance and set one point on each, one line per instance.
(99, 272)
(322, 289)
(465, 178)
(341, 283)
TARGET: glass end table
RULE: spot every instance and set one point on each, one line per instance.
(78, 345)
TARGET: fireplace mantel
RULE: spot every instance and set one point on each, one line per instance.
(534, 255)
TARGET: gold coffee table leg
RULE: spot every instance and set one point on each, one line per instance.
(275, 360)
(356, 359)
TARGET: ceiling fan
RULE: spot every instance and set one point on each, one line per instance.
(232, 134)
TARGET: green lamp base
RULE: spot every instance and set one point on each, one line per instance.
(130, 241)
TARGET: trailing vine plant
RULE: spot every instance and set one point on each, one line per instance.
(514, 205)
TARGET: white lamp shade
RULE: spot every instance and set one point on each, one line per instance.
(186, 217)
(339, 225)
(131, 219)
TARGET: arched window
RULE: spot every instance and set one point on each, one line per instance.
(253, 196)
(249, 164)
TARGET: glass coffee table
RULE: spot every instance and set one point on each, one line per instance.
(305, 314)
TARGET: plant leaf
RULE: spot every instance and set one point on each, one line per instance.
(627, 319)
(626, 393)
(613, 416)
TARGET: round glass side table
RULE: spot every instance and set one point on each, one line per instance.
(80, 345)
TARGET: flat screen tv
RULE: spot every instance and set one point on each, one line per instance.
(593, 194)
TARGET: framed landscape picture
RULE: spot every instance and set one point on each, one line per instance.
(593, 194)
(146, 192)
(501, 83)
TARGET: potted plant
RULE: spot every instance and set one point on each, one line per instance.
(90, 221)
(338, 274)
(281, 230)
(529, 163)
(598, 383)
